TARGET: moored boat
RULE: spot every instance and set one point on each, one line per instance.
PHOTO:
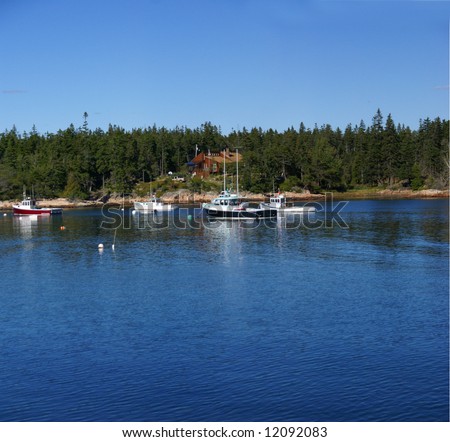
(154, 205)
(278, 202)
(29, 206)
(229, 206)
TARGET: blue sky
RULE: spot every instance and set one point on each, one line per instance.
(235, 63)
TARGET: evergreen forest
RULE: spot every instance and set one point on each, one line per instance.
(80, 162)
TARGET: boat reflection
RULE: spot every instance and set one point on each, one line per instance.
(26, 225)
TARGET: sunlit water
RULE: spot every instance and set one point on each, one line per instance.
(227, 322)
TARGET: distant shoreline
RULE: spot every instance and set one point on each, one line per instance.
(186, 197)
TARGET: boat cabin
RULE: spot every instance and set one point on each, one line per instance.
(226, 198)
(230, 201)
(28, 204)
(278, 201)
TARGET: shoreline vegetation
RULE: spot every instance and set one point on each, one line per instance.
(184, 196)
(79, 167)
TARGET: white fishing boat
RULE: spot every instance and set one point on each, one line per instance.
(154, 205)
(229, 206)
(278, 202)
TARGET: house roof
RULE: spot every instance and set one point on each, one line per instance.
(217, 156)
(230, 158)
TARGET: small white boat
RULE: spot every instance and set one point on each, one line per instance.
(278, 202)
(154, 205)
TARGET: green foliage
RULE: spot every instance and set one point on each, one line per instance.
(326, 168)
(291, 184)
(195, 185)
(73, 189)
(75, 162)
(9, 187)
(198, 185)
(417, 181)
(158, 187)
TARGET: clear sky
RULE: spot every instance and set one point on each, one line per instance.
(235, 63)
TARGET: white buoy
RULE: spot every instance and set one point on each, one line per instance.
(113, 246)
(100, 246)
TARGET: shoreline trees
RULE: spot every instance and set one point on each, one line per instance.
(76, 162)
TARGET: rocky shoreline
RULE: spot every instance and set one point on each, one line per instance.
(187, 197)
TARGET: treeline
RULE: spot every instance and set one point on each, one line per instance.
(76, 162)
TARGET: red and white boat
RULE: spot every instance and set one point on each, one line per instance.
(29, 207)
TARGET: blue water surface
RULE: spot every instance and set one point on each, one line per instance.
(227, 321)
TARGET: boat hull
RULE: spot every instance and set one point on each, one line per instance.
(297, 209)
(43, 211)
(154, 208)
(291, 209)
(236, 214)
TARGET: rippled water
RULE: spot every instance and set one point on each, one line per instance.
(227, 322)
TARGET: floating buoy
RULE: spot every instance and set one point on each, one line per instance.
(62, 228)
(113, 246)
(100, 246)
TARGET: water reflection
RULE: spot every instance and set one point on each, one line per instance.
(224, 239)
(27, 225)
(374, 228)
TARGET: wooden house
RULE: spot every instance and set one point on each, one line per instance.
(205, 164)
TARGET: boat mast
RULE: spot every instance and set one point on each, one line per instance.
(224, 173)
(237, 173)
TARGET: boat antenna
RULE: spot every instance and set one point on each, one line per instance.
(224, 172)
(237, 172)
(114, 240)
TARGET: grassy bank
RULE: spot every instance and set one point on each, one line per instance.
(374, 192)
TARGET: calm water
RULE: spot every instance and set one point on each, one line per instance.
(227, 322)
